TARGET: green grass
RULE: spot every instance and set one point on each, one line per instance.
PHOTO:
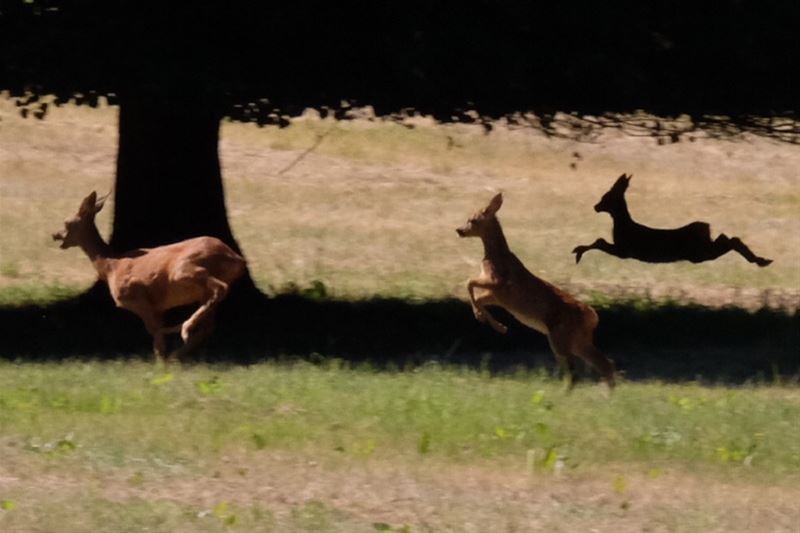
(140, 443)
(115, 411)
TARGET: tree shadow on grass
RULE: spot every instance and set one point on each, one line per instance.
(670, 342)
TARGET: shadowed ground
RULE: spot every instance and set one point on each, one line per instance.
(671, 342)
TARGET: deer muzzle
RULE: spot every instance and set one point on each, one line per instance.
(61, 236)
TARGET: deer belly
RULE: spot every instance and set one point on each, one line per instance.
(178, 296)
(532, 322)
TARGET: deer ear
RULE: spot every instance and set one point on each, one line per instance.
(494, 204)
(628, 179)
(88, 204)
(100, 202)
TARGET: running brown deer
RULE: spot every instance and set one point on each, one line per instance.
(504, 281)
(149, 281)
(691, 242)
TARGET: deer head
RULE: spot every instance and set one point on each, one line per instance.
(77, 228)
(478, 223)
(614, 200)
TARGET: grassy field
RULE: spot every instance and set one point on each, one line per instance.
(282, 446)
(121, 446)
(372, 210)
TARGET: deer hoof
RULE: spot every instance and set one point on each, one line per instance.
(500, 328)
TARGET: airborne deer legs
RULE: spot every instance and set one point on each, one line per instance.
(478, 304)
(724, 244)
(599, 244)
(198, 326)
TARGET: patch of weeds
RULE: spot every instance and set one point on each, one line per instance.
(365, 448)
(259, 440)
(223, 512)
(424, 443)
(685, 403)
(313, 516)
(136, 479)
(163, 379)
(553, 460)
(212, 386)
(538, 399)
(620, 484)
(64, 445)
(660, 438)
(109, 405)
(382, 526)
(317, 290)
(9, 269)
(734, 453)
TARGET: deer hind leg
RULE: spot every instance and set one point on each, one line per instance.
(200, 331)
(216, 291)
(724, 244)
(605, 366)
(578, 343)
(479, 304)
(199, 325)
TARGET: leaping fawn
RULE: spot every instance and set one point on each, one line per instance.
(149, 281)
(504, 281)
(691, 242)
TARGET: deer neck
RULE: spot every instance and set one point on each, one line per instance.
(97, 250)
(621, 215)
(494, 242)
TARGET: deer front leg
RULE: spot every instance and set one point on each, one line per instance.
(599, 244)
(478, 304)
(153, 322)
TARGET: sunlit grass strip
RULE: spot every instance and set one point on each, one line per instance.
(32, 293)
(120, 412)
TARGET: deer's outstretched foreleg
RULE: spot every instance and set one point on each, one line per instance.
(479, 303)
(153, 322)
(560, 347)
(599, 244)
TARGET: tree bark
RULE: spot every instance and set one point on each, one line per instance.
(169, 183)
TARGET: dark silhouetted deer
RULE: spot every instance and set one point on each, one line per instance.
(504, 281)
(691, 242)
(149, 281)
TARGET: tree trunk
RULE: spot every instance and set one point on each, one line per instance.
(169, 183)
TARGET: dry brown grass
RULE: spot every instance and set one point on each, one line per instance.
(346, 495)
(373, 209)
